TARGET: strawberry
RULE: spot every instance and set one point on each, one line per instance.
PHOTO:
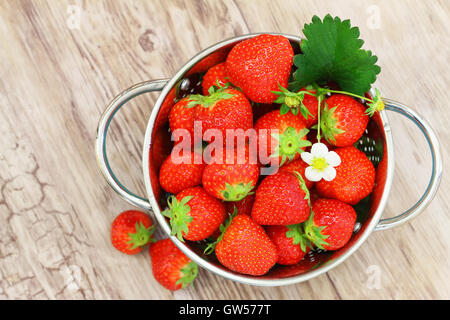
(281, 199)
(313, 196)
(260, 109)
(289, 249)
(164, 111)
(244, 247)
(171, 267)
(216, 76)
(209, 61)
(298, 166)
(182, 117)
(160, 147)
(222, 109)
(354, 179)
(331, 224)
(179, 172)
(281, 135)
(312, 104)
(233, 178)
(194, 214)
(258, 65)
(243, 206)
(343, 120)
(131, 231)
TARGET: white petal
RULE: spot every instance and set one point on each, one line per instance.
(329, 173)
(333, 159)
(313, 175)
(307, 157)
(319, 150)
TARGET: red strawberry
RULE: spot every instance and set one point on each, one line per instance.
(258, 65)
(179, 172)
(331, 225)
(343, 120)
(260, 109)
(289, 249)
(182, 117)
(166, 107)
(244, 247)
(233, 178)
(313, 196)
(131, 231)
(160, 147)
(194, 215)
(312, 104)
(171, 267)
(281, 199)
(209, 61)
(214, 77)
(281, 135)
(243, 207)
(223, 109)
(354, 179)
(298, 166)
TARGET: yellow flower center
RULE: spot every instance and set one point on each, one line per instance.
(379, 105)
(320, 164)
(292, 101)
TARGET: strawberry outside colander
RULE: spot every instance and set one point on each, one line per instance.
(315, 263)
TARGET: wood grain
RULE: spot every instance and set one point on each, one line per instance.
(55, 207)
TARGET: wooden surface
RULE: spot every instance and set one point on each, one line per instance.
(55, 80)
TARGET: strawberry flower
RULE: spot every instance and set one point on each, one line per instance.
(321, 163)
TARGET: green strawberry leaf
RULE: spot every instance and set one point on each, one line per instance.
(292, 101)
(314, 233)
(189, 273)
(332, 51)
(303, 187)
(178, 213)
(297, 234)
(376, 105)
(214, 96)
(328, 124)
(290, 142)
(142, 236)
(237, 192)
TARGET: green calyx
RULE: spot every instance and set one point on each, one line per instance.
(376, 105)
(223, 227)
(328, 124)
(303, 187)
(178, 213)
(297, 233)
(188, 275)
(142, 236)
(210, 100)
(290, 142)
(292, 101)
(237, 192)
(314, 233)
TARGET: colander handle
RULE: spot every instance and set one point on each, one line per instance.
(102, 130)
(436, 171)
